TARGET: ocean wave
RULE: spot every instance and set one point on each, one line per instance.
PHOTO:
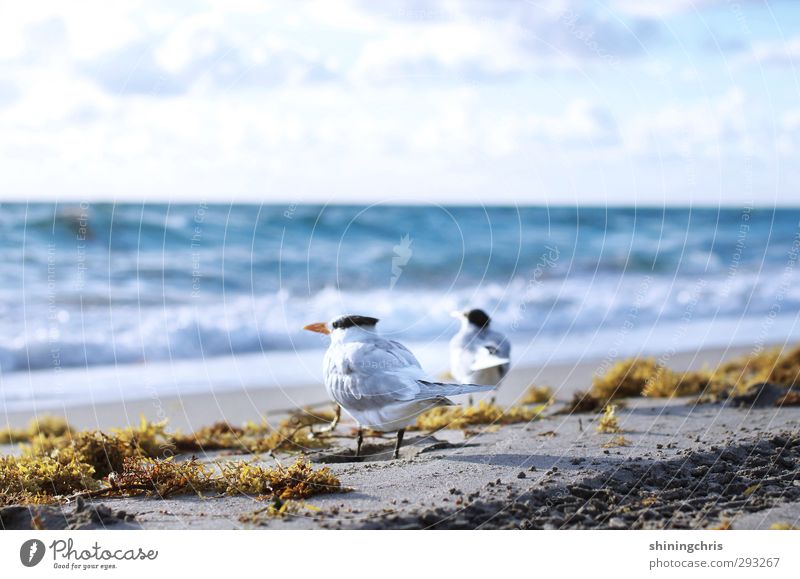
(122, 333)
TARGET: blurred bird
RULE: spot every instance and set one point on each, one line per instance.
(478, 355)
(377, 381)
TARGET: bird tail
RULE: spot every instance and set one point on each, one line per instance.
(488, 362)
(488, 357)
(447, 389)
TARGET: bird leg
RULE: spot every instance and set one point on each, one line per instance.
(359, 440)
(399, 442)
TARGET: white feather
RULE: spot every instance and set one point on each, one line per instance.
(379, 382)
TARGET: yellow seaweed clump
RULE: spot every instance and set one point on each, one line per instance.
(783, 526)
(162, 477)
(647, 377)
(464, 417)
(630, 378)
(608, 422)
(34, 480)
(786, 369)
(737, 375)
(131, 461)
(665, 383)
(170, 477)
(218, 436)
(581, 402)
(617, 441)
(297, 481)
(537, 395)
(105, 452)
(291, 435)
(39, 426)
(149, 439)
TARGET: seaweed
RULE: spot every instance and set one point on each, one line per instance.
(104, 452)
(293, 434)
(737, 375)
(628, 378)
(168, 477)
(686, 384)
(791, 398)
(131, 461)
(647, 377)
(37, 480)
(786, 369)
(218, 436)
(608, 422)
(537, 395)
(485, 413)
(161, 477)
(581, 402)
(39, 426)
(297, 481)
(149, 439)
(617, 441)
(783, 526)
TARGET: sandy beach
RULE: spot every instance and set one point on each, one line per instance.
(681, 466)
(192, 411)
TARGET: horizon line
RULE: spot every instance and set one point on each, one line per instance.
(412, 203)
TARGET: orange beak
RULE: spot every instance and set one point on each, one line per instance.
(320, 328)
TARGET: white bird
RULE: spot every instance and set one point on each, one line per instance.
(478, 355)
(377, 381)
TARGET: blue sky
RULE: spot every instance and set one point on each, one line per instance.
(435, 101)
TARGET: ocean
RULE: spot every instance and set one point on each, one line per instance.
(89, 291)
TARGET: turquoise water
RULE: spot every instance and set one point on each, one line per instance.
(119, 284)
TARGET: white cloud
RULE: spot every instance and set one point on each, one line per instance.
(484, 40)
(781, 52)
(724, 123)
(463, 49)
(582, 123)
(92, 26)
(664, 8)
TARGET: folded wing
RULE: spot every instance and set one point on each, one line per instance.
(379, 373)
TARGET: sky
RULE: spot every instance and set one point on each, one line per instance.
(669, 102)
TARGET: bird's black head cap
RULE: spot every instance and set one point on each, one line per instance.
(350, 321)
(478, 318)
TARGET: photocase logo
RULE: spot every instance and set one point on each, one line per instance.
(402, 254)
(31, 553)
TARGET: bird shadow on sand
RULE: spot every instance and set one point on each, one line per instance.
(381, 452)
